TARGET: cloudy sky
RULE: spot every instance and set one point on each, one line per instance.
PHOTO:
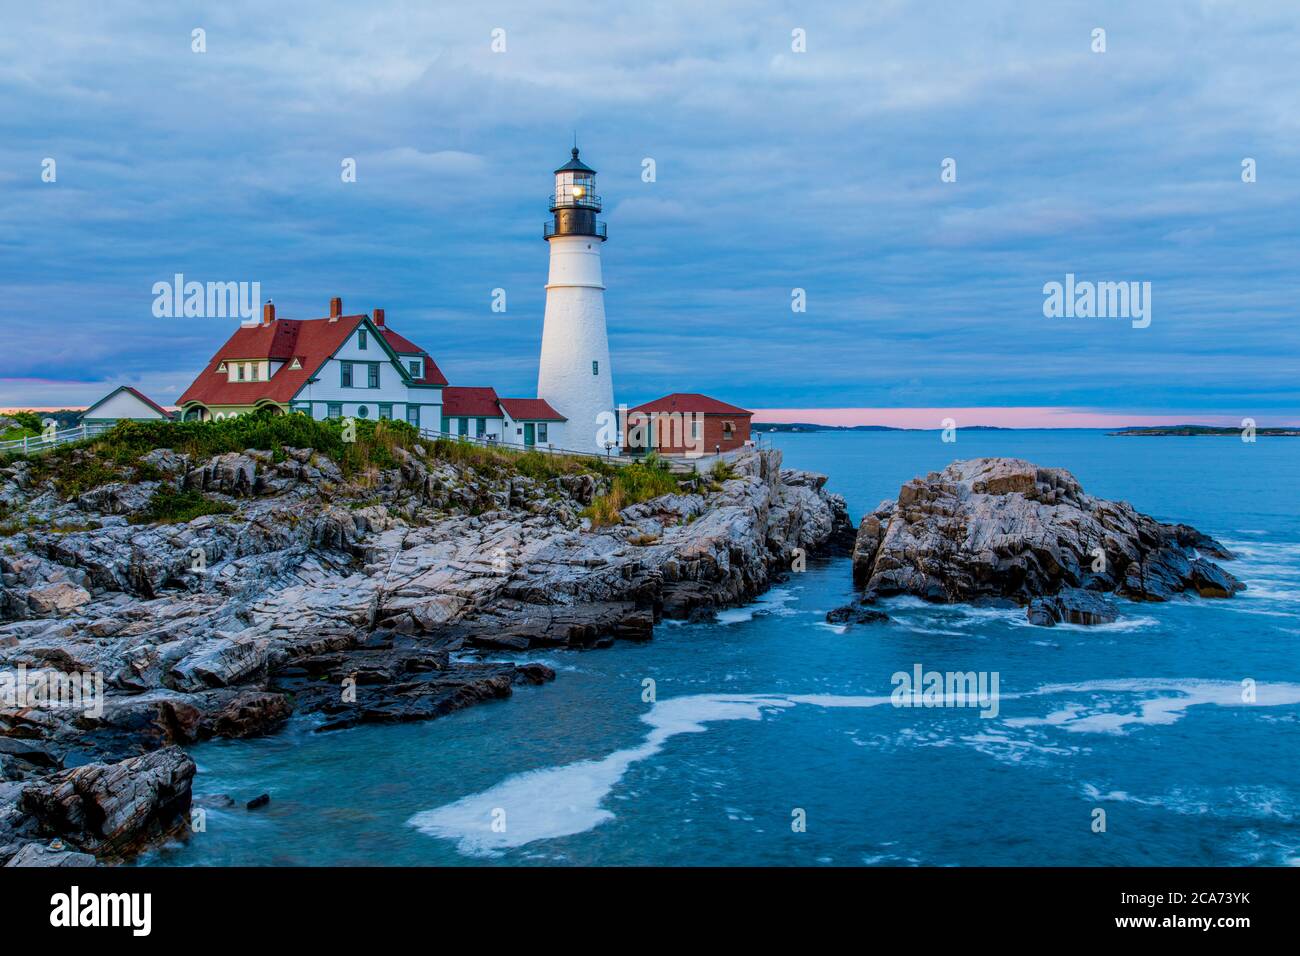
(776, 170)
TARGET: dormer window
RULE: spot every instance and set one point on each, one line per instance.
(221, 369)
(295, 365)
(417, 368)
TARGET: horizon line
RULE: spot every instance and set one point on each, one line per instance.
(1008, 416)
(933, 418)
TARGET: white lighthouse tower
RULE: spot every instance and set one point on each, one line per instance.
(574, 376)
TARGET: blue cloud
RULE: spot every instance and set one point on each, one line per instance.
(775, 170)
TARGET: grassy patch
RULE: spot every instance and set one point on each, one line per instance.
(632, 484)
(722, 471)
(505, 461)
(29, 425)
(169, 506)
(88, 473)
(17, 433)
(118, 454)
(74, 527)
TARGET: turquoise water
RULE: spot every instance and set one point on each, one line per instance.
(769, 714)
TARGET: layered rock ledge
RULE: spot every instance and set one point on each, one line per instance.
(1007, 529)
(370, 599)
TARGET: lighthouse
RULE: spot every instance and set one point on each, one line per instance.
(574, 376)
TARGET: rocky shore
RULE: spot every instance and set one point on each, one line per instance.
(1006, 530)
(358, 600)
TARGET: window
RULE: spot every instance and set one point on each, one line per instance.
(346, 372)
(595, 368)
(334, 410)
(446, 424)
(248, 371)
(363, 411)
(480, 427)
(385, 411)
(239, 373)
(413, 415)
(372, 375)
(417, 368)
(541, 431)
(728, 428)
(697, 429)
(463, 427)
(361, 340)
(303, 407)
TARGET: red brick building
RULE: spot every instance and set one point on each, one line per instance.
(686, 423)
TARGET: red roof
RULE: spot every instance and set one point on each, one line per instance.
(400, 343)
(690, 402)
(531, 410)
(404, 346)
(310, 341)
(469, 402)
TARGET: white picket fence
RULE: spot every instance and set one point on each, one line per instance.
(46, 440)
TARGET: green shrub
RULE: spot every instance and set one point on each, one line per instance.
(118, 452)
(28, 420)
(169, 506)
(74, 479)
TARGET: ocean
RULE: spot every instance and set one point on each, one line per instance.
(768, 737)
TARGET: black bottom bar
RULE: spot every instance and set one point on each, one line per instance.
(730, 905)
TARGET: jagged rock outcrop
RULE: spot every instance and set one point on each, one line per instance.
(1004, 527)
(113, 809)
(856, 614)
(361, 600)
(1072, 606)
(34, 854)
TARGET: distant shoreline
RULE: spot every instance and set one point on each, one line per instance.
(810, 427)
(1190, 431)
(1196, 431)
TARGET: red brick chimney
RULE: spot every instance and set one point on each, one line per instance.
(379, 317)
(336, 307)
(268, 312)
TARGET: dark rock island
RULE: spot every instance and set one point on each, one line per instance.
(1007, 529)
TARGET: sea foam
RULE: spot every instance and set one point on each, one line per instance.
(566, 800)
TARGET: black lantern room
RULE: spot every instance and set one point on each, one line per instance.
(574, 202)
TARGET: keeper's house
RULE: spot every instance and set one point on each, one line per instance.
(339, 366)
(355, 366)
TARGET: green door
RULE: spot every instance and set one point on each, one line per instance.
(530, 433)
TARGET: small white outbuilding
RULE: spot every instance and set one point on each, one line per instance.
(124, 403)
